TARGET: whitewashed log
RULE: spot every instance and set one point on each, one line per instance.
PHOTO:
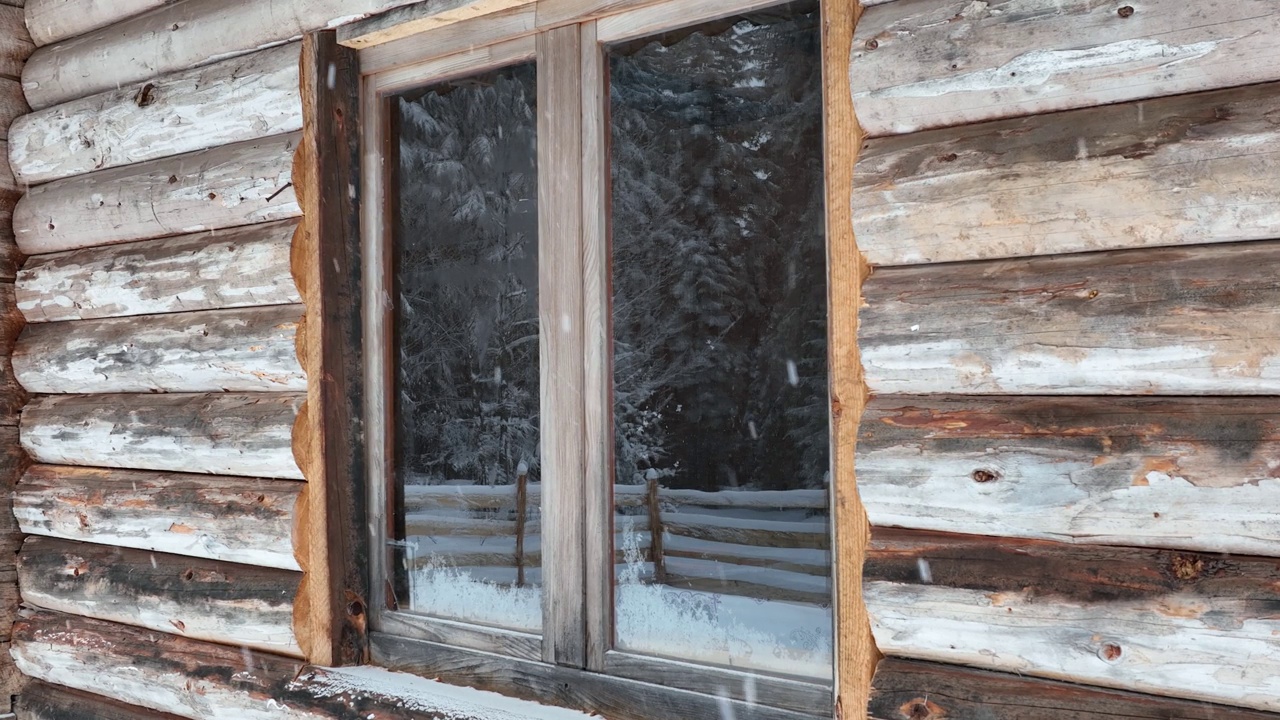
(242, 349)
(15, 41)
(1196, 320)
(52, 20)
(233, 519)
(240, 267)
(936, 63)
(224, 187)
(235, 434)
(12, 104)
(1171, 171)
(240, 99)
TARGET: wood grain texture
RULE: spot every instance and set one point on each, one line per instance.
(244, 98)
(923, 64)
(232, 519)
(1198, 320)
(12, 104)
(52, 20)
(42, 701)
(238, 605)
(240, 267)
(241, 350)
(1157, 621)
(225, 433)
(448, 40)
(1197, 473)
(404, 22)
(12, 395)
(1172, 171)
(912, 690)
(15, 41)
(224, 187)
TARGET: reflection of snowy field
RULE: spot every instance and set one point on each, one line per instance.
(466, 594)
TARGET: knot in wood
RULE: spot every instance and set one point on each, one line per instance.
(1126, 11)
(985, 476)
(1110, 652)
(921, 709)
(1187, 567)
(872, 44)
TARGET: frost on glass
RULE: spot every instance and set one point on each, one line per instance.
(719, 365)
(466, 534)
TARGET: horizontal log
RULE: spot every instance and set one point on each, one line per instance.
(768, 533)
(1196, 473)
(1197, 320)
(52, 20)
(912, 690)
(203, 599)
(1173, 171)
(240, 267)
(12, 104)
(42, 701)
(236, 434)
(937, 63)
(242, 349)
(224, 187)
(1155, 621)
(233, 519)
(244, 98)
(15, 42)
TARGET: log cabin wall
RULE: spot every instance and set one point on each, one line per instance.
(1069, 458)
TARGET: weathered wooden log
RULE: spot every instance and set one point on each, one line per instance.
(15, 41)
(1196, 320)
(202, 599)
(42, 701)
(1195, 473)
(240, 267)
(12, 396)
(1168, 623)
(242, 349)
(52, 20)
(228, 433)
(233, 519)
(911, 690)
(224, 187)
(1173, 171)
(236, 100)
(12, 104)
(769, 533)
(919, 65)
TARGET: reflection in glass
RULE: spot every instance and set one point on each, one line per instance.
(466, 327)
(719, 367)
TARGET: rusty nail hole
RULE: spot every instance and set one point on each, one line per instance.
(173, 179)
(1111, 652)
(50, 226)
(262, 498)
(1155, 514)
(984, 476)
(954, 66)
(872, 44)
(189, 575)
(1126, 11)
(355, 608)
(949, 157)
(1093, 294)
(213, 196)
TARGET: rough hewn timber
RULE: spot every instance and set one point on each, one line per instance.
(224, 187)
(242, 349)
(42, 701)
(52, 20)
(203, 599)
(233, 519)
(241, 267)
(15, 42)
(1172, 171)
(936, 63)
(12, 104)
(236, 100)
(912, 690)
(1196, 320)
(1192, 473)
(12, 396)
(227, 433)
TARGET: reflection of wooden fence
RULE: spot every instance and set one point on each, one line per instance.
(765, 544)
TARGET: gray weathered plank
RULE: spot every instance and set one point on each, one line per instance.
(1172, 171)
(15, 41)
(921, 64)
(1196, 320)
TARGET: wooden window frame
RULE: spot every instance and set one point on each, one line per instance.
(571, 662)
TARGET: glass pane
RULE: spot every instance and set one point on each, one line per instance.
(719, 367)
(466, 326)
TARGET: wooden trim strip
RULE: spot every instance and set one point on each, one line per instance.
(671, 15)
(469, 62)
(523, 645)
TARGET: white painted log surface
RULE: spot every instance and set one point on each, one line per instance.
(240, 267)
(1173, 171)
(52, 20)
(223, 187)
(921, 64)
(240, 99)
(224, 433)
(243, 349)
(233, 519)
(1192, 647)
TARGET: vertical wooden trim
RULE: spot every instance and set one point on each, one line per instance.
(561, 344)
(330, 619)
(856, 653)
(597, 375)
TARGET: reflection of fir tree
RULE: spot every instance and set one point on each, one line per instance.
(467, 280)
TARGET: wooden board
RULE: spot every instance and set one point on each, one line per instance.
(241, 267)
(15, 41)
(1173, 171)
(227, 433)
(232, 519)
(42, 701)
(242, 349)
(1197, 320)
(912, 690)
(1194, 473)
(52, 20)
(224, 187)
(238, 605)
(1157, 621)
(244, 98)
(935, 63)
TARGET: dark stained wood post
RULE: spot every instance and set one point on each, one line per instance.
(655, 532)
(522, 515)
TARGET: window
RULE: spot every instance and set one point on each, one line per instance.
(597, 387)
